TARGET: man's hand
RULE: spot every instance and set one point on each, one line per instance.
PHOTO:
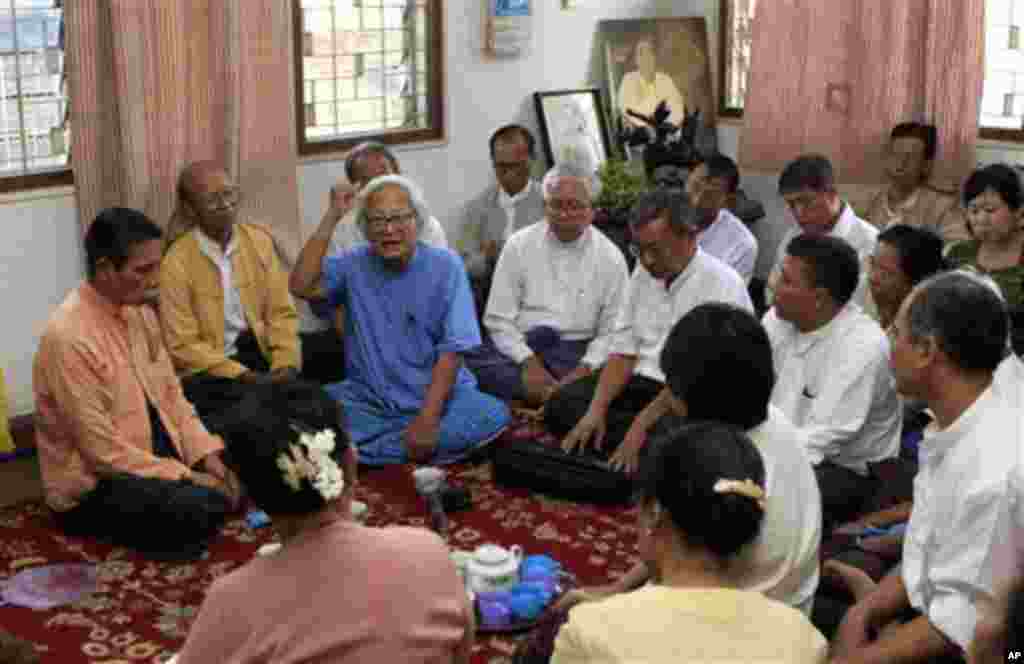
(587, 594)
(855, 632)
(284, 374)
(421, 437)
(490, 250)
(627, 455)
(539, 384)
(226, 480)
(253, 377)
(591, 427)
(341, 199)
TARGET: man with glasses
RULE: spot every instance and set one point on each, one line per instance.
(614, 409)
(409, 319)
(556, 294)
(807, 185)
(514, 201)
(712, 187)
(226, 313)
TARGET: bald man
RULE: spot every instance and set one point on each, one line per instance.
(228, 319)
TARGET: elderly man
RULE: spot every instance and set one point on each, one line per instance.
(227, 316)
(556, 295)
(712, 187)
(363, 163)
(808, 186)
(513, 202)
(715, 340)
(834, 378)
(614, 408)
(409, 319)
(642, 89)
(122, 453)
(949, 342)
(908, 199)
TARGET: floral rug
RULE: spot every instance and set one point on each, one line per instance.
(141, 610)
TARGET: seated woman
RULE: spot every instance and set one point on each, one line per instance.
(994, 200)
(701, 504)
(336, 591)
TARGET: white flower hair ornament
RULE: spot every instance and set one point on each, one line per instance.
(310, 458)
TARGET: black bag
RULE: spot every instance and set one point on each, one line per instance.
(547, 469)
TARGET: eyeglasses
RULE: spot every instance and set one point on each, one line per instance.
(512, 167)
(656, 252)
(567, 207)
(384, 222)
(215, 200)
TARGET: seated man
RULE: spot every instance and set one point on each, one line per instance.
(122, 453)
(363, 163)
(513, 202)
(227, 316)
(673, 275)
(712, 187)
(834, 380)
(808, 187)
(908, 199)
(715, 340)
(555, 297)
(904, 256)
(949, 344)
(409, 317)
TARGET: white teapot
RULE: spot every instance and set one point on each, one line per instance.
(493, 568)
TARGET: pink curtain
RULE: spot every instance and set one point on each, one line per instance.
(834, 77)
(156, 84)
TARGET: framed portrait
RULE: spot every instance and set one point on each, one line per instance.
(736, 34)
(647, 61)
(573, 126)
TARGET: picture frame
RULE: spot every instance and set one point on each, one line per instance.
(736, 22)
(573, 122)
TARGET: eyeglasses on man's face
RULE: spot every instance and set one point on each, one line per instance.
(381, 223)
(227, 197)
(567, 206)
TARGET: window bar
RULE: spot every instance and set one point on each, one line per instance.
(334, 67)
(412, 66)
(385, 74)
(23, 132)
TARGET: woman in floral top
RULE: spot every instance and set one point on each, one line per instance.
(994, 198)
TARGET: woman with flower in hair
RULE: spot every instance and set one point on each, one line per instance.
(702, 502)
(335, 591)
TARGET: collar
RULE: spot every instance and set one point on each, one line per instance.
(936, 446)
(903, 207)
(847, 219)
(675, 283)
(805, 341)
(576, 245)
(96, 299)
(211, 247)
(505, 200)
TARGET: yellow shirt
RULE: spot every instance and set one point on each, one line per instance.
(677, 625)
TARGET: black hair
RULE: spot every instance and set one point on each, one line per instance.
(833, 264)
(925, 133)
(113, 235)
(509, 131)
(354, 156)
(1014, 635)
(705, 348)
(965, 316)
(653, 204)
(262, 427)
(680, 473)
(719, 165)
(919, 249)
(1001, 178)
(807, 172)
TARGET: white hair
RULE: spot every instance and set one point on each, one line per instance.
(416, 199)
(571, 169)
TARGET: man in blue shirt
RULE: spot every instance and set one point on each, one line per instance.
(409, 317)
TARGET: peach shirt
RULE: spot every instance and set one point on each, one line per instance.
(96, 366)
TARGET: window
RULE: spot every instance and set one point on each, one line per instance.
(34, 136)
(368, 70)
(1002, 102)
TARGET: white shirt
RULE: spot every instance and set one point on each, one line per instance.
(636, 94)
(650, 310)
(783, 560)
(348, 234)
(729, 240)
(962, 498)
(576, 288)
(861, 235)
(836, 385)
(508, 205)
(234, 314)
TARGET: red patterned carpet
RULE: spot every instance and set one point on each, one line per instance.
(142, 610)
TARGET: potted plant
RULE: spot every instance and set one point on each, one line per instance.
(620, 188)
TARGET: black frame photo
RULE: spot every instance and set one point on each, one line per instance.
(573, 125)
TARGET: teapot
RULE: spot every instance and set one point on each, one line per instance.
(493, 568)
